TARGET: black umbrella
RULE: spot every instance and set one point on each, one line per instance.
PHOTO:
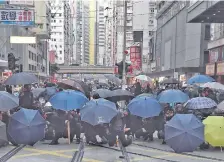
(120, 94)
(21, 79)
(103, 93)
(170, 81)
(113, 79)
(37, 91)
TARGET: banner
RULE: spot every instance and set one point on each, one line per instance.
(220, 68)
(17, 17)
(210, 69)
(135, 57)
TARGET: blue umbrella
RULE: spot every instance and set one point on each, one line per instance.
(172, 96)
(21, 78)
(200, 79)
(8, 101)
(200, 103)
(68, 100)
(145, 107)
(26, 126)
(184, 133)
(98, 111)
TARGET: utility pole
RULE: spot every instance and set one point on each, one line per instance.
(124, 43)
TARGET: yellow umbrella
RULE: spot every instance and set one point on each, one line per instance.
(214, 130)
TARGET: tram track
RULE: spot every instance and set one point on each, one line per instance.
(184, 154)
(11, 153)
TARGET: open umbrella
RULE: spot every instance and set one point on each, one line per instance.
(172, 96)
(71, 84)
(103, 93)
(37, 91)
(144, 78)
(98, 111)
(68, 100)
(21, 79)
(3, 135)
(214, 130)
(213, 85)
(200, 79)
(113, 78)
(184, 133)
(8, 101)
(120, 94)
(144, 107)
(200, 103)
(26, 126)
(145, 95)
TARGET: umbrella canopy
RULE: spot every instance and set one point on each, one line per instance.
(21, 78)
(37, 91)
(145, 95)
(103, 93)
(144, 107)
(98, 111)
(3, 135)
(200, 79)
(220, 108)
(184, 133)
(172, 96)
(200, 103)
(214, 130)
(143, 78)
(170, 81)
(8, 101)
(213, 85)
(120, 94)
(71, 84)
(113, 79)
(26, 126)
(68, 100)
(48, 93)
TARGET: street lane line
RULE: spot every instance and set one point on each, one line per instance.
(58, 154)
(26, 155)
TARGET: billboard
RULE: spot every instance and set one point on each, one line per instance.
(135, 57)
(17, 17)
(22, 40)
(21, 2)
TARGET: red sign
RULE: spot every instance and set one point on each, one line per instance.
(135, 57)
(52, 57)
(115, 70)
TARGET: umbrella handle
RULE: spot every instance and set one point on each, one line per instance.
(68, 128)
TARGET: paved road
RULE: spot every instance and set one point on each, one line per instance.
(42, 152)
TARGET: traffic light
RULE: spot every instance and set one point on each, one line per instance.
(120, 68)
(12, 62)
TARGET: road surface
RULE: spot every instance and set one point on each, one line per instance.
(42, 152)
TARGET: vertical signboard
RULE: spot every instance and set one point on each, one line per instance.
(17, 17)
(135, 57)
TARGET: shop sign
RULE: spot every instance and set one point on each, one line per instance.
(220, 68)
(210, 69)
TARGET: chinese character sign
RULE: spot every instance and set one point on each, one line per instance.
(17, 17)
(135, 57)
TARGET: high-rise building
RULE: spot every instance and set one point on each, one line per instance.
(144, 25)
(100, 34)
(81, 32)
(61, 31)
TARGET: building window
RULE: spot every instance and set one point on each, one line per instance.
(60, 21)
(30, 55)
(55, 40)
(60, 46)
(30, 68)
(60, 14)
(152, 10)
(60, 52)
(55, 21)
